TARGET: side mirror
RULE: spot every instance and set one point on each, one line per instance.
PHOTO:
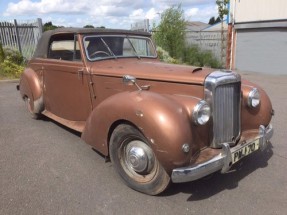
(131, 80)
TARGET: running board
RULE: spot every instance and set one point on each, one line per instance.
(75, 125)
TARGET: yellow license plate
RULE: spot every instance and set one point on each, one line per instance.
(244, 151)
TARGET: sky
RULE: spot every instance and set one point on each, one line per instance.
(109, 13)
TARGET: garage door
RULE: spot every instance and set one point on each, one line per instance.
(262, 50)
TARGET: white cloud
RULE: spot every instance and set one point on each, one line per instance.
(184, 3)
(137, 13)
(192, 12)
(45, 7)
(99, 8)
(201, 14)
(109, 13)
(152, 14)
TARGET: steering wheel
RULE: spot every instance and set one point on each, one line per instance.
(99, 52)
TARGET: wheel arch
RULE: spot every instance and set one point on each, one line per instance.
(31, 87)
(116, 124)
(163, 120)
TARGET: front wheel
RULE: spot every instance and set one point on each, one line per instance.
(135, 161)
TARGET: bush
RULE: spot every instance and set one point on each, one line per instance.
(2, 54)
(196, 57)
(165, 57)
(192, 56)
(11, 63)
(10, 69)
(14, 56)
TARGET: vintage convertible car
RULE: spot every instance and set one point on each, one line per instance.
(157, 122)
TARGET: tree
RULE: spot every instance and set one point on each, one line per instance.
(217, 20)
(88, 26)
(169, 34)
(211, 21)
(222, 11)
(222, 8)
(49, 26)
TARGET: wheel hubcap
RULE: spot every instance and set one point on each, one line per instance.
(139, 157)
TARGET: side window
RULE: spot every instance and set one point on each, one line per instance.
(64, 48)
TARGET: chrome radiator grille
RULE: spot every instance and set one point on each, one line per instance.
(226, 115)
(222, 92)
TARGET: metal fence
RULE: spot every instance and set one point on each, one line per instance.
(141, 25)
(214, 41)
(21, 35)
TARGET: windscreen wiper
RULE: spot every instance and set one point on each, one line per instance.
(135, 52)
(106, 45)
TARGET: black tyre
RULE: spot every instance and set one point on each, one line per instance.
(135, 161)
(30, 109)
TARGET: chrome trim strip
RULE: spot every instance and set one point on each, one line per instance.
(221, 161)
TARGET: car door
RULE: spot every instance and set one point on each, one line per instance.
(66, 89)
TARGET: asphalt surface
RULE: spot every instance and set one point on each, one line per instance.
(47, 169)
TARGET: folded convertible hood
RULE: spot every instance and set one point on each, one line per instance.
(150, 70)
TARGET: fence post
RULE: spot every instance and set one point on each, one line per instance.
(17, 36)
(40, 25)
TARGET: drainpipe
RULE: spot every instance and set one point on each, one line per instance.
(232, 34)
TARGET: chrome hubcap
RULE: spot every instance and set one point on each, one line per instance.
(139, 157)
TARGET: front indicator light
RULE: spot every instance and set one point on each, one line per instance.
(253, 98)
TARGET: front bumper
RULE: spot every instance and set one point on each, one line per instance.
(222, 161)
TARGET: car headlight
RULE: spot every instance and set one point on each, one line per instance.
(253, 98)
(201, 113)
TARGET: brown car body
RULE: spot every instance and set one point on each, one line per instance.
(89, 96)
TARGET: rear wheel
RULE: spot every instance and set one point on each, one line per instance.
(135, 161)
(30, 109)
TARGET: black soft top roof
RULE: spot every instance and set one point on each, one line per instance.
(43, 44)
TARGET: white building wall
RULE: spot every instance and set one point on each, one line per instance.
(257, 10)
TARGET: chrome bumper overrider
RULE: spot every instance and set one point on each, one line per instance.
(221, 162)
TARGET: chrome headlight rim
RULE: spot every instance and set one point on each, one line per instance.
(253, 99)
(201, 113)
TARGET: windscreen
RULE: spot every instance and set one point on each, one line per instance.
(102, 47)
